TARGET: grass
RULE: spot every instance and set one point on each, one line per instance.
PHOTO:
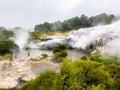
(39, 35)
(9, 89)
(6, 56)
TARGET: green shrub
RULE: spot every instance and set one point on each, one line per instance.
(95, 56)
(62, 46)
(8, 55)
(78, 75)
(114, 71)
(44, 81)
(105, 58)
(83, 58)
(98, 87)
(60, 52)
(44, 55)
(6, 46)
(1, 57)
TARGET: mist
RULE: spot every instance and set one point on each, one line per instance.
(106, 37)
(103, 37)
(21, 37)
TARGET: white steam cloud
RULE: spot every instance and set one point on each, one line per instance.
(21, 37)
(107, 36)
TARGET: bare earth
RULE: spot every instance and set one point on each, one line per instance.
(26, 68)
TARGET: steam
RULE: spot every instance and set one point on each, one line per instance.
(104, 38)
(21, 37)
(107, 37)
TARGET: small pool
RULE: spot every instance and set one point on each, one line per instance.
(73, 54)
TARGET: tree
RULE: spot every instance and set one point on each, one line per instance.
(5, 34)
(75, 23)
(6, 46)
(84, 22)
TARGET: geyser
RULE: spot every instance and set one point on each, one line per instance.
(104, 38)
(107, 36)
(21, 37)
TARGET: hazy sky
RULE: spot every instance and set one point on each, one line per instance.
(27, 13)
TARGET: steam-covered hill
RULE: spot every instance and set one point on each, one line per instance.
(104, 38)
(75, 23)
(87, 37)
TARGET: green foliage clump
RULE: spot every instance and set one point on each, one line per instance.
(44, 81)
(8, 55)
(44, 55)
(35, 35)
(83, 58)
(6, 46)
(104, 58)
(114, 72)
(5, 34)
(60, 52)
(40, 35)
(78, 75)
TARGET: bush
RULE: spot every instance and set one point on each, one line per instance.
(60, 52)
(44, 55)
(104, 58)
(114, 71)
(44, 81)
(83, 58)
(78, 75)
(6, 46)
(8, 55)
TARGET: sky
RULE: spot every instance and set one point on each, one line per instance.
(28, 13)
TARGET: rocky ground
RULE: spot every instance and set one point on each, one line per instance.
(28, 68)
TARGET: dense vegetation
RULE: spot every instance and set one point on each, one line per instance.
(105, 58)
(79, 75)
(6, 45)
(44, 55)
(75, 23)
(100, 72)
(5, 34)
